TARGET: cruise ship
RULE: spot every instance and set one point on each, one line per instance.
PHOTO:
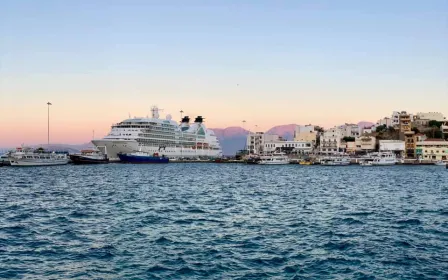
(162, 136)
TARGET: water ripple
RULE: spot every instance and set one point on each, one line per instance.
(219, 221)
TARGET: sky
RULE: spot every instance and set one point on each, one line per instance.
(267, 62)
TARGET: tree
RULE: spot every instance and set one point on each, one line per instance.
(391, 129)
(381, 128)
(416, 130)
(434, 123)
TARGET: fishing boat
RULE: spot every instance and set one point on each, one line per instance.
(440, 163)
(24, 156)
(142, 157)
(274, 159)
(305, 162)
(90, 156)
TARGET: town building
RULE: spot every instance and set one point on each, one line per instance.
(365, 144)
(261, 143)
(384, 121)
(431, 116)
(444, 129)
(396, 146)
(291, 147)
(350, 147)
(350, 130)
(432, 149)
(307, 133)
(330, 141)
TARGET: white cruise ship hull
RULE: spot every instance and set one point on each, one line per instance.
(112, 147)
(36, 162)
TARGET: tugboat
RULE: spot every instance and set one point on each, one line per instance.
(142, 157)
(89, 157)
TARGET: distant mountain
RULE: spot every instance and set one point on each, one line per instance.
(286, 131)
(365, 124)
(232, 139)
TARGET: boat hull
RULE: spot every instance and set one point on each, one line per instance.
(25, 162)
(77, 159)
(113, 147)
(273, 163)
(142, 159)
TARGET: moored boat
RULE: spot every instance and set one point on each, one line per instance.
(384, 158)
(366, 163)
(440, 163)
(142, 157)
(40, 157)
(335, 161)
(274, 159)
(90, 156)
(4, 160)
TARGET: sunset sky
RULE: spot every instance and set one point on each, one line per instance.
(266, 62)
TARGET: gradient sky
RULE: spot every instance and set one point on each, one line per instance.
(267, 62)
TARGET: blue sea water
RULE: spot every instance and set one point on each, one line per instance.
(223, 221)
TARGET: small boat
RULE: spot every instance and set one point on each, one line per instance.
(274, 159)
(440, 163)
(4, 160)
(335, 161)
(92, 156)
(27, 157)
(142, 157)
(366, 163)
(253, 160)
(305, 162)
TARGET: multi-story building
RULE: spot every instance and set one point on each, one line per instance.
(410, 141)
(444, 129)
(432, 149)
(396, 146)
(350, 130)
(330, 141)
(396, 117)
(431, 116)
(405, 122)
(385, 121)
(293, 147)
(307, 133)
(365, 143)
(255, 141)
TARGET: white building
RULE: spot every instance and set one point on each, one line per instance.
(330, 141)
(392, 145)
(385, 121)
(350, 130)
(431, 116)
(295, 147)
(255, 141)
(396, 117)
(365, 143)
(306, 133)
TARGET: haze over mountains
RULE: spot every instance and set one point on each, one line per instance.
(231, 138)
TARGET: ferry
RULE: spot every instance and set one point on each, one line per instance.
(142, 157)
(274, 159)
(24, 156)
(165, 136)
(384, 158)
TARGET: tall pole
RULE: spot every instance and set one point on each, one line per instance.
(48, 128)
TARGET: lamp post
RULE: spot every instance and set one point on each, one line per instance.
(48, 128)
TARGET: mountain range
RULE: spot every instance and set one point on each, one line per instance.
(231, 138)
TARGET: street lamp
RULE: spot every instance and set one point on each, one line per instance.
(48, 128)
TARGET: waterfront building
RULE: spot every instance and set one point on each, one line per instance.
(330, 141)
(307, 133)
(431, 116)
(365, 144)
(350, 147)
(291, 147)
(392, 146)
(255, 142)
(432, 149)
(396, 117)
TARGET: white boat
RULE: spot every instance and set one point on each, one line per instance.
(89, 156)
(384, 158)
(4, 159)
(163, 136)
(39, 157)
(366, 163)
(335, 161)
(274, 159)
(440, 163)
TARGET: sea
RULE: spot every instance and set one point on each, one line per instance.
(223, 221)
